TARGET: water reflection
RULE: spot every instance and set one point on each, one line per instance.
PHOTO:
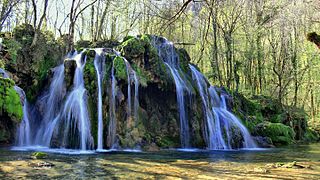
(199, 164)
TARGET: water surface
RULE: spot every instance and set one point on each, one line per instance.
(166, 164)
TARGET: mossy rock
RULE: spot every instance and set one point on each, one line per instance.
(311, 135)
(120, 68)
(132, 48)
(167, 142)
(280, 134)
(10, 103)
(184, 59)
(39, 155)
(82, 44)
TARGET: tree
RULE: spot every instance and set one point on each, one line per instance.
(6, 9)
(75, 11)
(38, 26)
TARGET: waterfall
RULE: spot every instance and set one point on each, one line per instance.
(112, 111)
(99, 66)
(169, 56)
(3, 73)
(52, 103)
(136, 96)
(23, 131)
(219, 121)
(75, 112)
(128, 67)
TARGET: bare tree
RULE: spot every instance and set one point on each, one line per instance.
(75, 11)
(6, 9)
(37, 27)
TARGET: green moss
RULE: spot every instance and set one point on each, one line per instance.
(2, 64)
(120, 68)
(132, 48)
(82, 44)
(127, 38)
(280, 134)
(167, 142)
(10, 103)
(311, 135)
(143, 77)
(39, 155)
(184, 59)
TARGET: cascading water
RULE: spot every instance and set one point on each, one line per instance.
(99, 66)
(112, 111)
(136, 96)
(65, 120)
(23, 134)
(52, 103)
(128, 67)
(75, 112)
(24, 130)
(169, 56)
(220, 123)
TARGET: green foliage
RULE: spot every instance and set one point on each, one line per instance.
(10, 103)
(143, 77)
(127, 38)
(34, 62)
(24, 34)
(120, 68)
(167, 142)
(311, 135)
(13, 47)
(132, 48)
(82, 44)
(2, 64)
(280, 134)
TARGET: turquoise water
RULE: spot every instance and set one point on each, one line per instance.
(167, 164)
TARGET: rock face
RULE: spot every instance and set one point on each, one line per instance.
(10, 110)
(157, 125)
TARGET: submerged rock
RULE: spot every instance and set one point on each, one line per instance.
(39, 155)
(41, 165)
(293, 164)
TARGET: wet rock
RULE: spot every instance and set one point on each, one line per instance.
(264, 142)
(152, 147)
(280, 134)
(69, 70)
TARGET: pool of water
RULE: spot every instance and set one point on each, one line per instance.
(168, 164)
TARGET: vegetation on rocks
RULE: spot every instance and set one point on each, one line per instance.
(10, 103)
(279, 133)
(10, 110)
